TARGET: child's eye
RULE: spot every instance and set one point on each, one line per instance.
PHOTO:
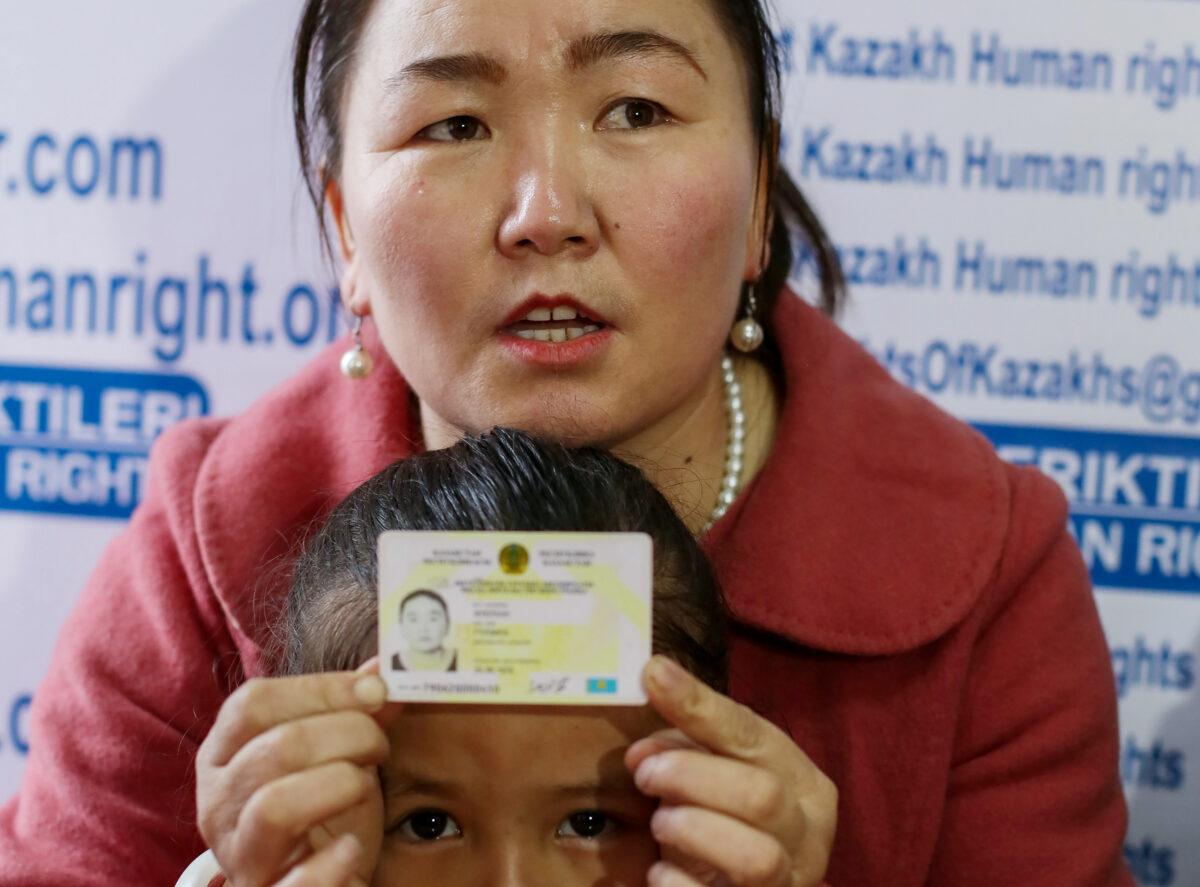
(428, 825)
(586, 824)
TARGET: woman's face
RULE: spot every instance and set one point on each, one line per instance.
(508, 795)
(590, 156)
(424, 624)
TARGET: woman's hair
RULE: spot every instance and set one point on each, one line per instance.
(501, 480)
(330, 32)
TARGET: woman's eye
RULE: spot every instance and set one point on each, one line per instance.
(428, 825)
(455, 129)
(634, 114)
(586, 824)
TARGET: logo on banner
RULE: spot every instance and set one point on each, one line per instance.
(1135, 500)
(1160, 666)
(75, 441)
(14, 729)
(1153, 865)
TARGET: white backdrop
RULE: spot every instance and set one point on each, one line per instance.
(1015, 189)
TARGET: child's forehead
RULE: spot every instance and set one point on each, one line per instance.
(480, 742)
(528, 722)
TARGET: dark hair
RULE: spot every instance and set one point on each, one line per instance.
(501, 480)
(330, 31)
(425, 592)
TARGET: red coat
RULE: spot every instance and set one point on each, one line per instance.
(910, 608)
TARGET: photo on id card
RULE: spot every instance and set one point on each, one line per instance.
(496, 617)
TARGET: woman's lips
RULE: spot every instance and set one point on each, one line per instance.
(554, 331)
(559, 324)
(560, 309)
(559, 352)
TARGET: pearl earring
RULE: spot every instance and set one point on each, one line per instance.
(747, 333)
(357, 362)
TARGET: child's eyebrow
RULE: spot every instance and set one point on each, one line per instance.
(606, 785)
(607, 777)
(412, 784)
(615, 785)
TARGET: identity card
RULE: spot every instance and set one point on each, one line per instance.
(561, 618)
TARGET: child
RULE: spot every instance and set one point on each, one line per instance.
(523, 794)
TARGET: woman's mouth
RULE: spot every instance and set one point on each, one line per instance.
(562, 323)
(555, 332)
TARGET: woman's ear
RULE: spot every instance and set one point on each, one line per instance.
(758, 238)
(354, 296)
(337, 208)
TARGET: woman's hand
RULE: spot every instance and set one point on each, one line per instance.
(284, 756)
(741, 804)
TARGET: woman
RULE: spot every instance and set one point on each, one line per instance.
(554, 216)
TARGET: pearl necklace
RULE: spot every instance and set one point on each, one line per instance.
(735, 446)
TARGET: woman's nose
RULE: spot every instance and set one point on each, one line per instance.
(551, 212)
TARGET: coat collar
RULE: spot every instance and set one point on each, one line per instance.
(877, 520)
(276, 471)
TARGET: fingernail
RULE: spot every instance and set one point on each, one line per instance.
(667, 674)
(348, 847)
(661, 822)
(370, 691)
(644, 775)
(319, 837)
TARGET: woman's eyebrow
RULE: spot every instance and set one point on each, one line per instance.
(450, 68)
(582, 52)
(594, 48)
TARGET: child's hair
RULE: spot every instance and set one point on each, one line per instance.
(501, 480)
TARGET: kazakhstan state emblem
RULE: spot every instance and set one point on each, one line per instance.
(514, 559)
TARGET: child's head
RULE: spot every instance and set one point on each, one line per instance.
(538, 793)
(502, 480)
